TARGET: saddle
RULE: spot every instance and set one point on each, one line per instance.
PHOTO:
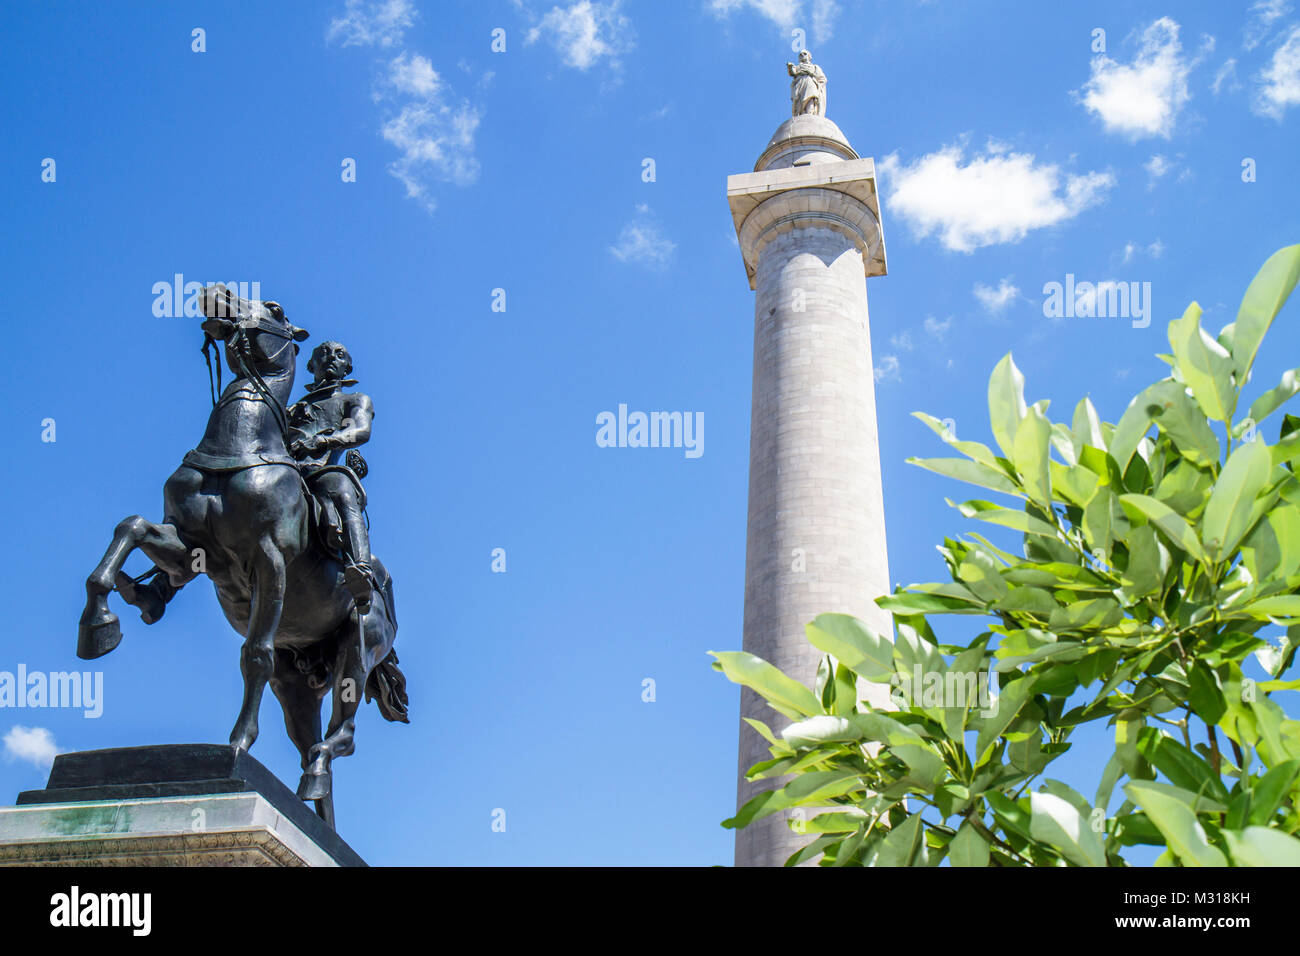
(324, 521)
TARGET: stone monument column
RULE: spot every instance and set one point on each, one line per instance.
(808, 223)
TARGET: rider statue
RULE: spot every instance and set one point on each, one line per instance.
(325, 425)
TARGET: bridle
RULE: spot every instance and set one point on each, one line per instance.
(241, 347)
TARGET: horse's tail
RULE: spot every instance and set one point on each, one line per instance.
(386, 685)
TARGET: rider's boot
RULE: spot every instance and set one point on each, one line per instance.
(357, 573)
(150, 596)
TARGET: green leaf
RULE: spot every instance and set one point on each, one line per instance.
(1183, 767)
(1205, 695)
(1273, 399)
(1006, 403)
(1057, 823)
(902, 741)
(811, 787)
(1173, 525)
(1178, 416)
(1271, 790)
(968, 847)
(1096, 614)
(971, 449)
(853, 644)
(1227, 514)
(913, 602)
(785, 694)
(996, 514)
(1280, 605)
(902, 845)
(1005, 709)
(1264, 297)
(1260, 846)
(1086, 428)
(1031, 456)
(1177, 822)
(1204, 365)
(1147, 563)
(1168, 404)
(972, 472)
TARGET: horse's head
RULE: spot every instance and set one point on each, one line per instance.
(254, 331)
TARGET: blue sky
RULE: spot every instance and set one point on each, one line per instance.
(1012, 154)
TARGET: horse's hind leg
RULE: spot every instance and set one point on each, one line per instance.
(301, 705)
(351, 669)
(257, 657)
(99, 632)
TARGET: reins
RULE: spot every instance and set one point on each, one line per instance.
(241, 346)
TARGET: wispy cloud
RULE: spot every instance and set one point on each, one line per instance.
(887, 369)
(1133, 249)
(585, 33)
(1263, 15)
(1278, 84)
(1226, 77)
(937, 328)
(816, 15)
(642, 242)
(34, 745)
(431, 127)
(996, 301)
(994, 198)
(376, 23)
(1144, 97)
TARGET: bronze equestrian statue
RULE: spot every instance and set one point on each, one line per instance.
(270, 506)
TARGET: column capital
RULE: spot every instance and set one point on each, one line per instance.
(834, 195)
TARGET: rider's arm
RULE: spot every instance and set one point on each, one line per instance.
(355, 429)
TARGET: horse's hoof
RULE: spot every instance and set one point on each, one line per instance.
(314, 786)
(242, 741)
(97, 634)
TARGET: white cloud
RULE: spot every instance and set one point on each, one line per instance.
(995, 198)
(584, 33)
(937, 328)
(996, 300)
(376, 23)
(902, 341)
(1157, 166)
(1086, 295)
(1142, 98)
(1264, 14)
(432, 130)
(1226, 77)
(1134, 249)
(1160, 166)
(413, 75)
(33, 744)
(641, 242)
(887, 369)
(1279, 82)
(786, 14)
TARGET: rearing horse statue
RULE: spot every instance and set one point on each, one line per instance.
(239, 510)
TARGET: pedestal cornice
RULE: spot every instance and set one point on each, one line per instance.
(837, 195)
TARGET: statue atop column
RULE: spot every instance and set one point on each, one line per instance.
(808, 88)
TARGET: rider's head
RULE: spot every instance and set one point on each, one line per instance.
(329, 362)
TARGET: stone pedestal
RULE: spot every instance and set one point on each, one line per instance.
(176, 805)
(808, 223)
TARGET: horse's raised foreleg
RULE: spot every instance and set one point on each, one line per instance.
(257, 657)
(99, 631)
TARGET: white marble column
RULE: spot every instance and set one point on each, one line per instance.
(809, 229)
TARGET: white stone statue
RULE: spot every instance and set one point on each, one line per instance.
(808, 88)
